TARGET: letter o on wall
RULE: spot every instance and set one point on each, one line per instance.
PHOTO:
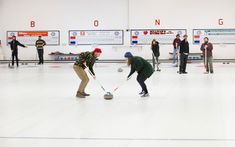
(96, 23)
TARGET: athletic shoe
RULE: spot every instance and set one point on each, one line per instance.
(206, 72)
(145, 95)
(85, 94)
(80, 95)
(158, 69)
(141, 93)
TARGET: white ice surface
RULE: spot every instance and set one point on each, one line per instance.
(38, 108)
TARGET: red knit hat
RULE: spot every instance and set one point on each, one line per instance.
(97, 50)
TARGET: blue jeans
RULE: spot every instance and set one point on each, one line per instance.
(175, 55)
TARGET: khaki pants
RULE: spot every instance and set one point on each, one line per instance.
(83, 76)
(208, 64)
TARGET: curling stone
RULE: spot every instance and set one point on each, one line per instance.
(120, 69)
(108, 96)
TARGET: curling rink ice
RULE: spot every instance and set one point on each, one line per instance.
(38, 108)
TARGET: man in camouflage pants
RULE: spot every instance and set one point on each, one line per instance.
(86, 59)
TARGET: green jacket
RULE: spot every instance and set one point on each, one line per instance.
(88, 58)
(142, 66)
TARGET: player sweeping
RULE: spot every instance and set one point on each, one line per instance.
(143, 68)
(85, 59)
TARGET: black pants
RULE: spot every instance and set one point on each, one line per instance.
(141, 79)
(14, 56)
(183, 62)
(155, 59)
(40, 56)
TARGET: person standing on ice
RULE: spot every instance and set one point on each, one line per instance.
(176, 45)
(143, 68)
(40, 43)
(184, 52)
(14, 50)
(156, 53)
(85, 59)
(206, 49)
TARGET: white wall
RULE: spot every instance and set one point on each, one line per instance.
(61, 15)
(113, 14)
(188, 14)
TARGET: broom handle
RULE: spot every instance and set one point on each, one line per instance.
(120, 85)
(9, 63)
(205, 58)
(36, 57)
(94, 78)
(178, 55)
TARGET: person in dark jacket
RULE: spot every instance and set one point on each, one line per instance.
(14, 49)
(40, 43)
(143, 68)
(176, 45)
(85, 59)
(156, 53)
(184, 52)
(206, 49)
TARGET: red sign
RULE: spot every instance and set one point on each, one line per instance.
(32, 34)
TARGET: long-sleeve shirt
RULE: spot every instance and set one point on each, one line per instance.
(155, 49)
(40, 44)
(88, 58)
(14, 45)
(184, 47)
(141, 66)
(209, 48)
(176, 43)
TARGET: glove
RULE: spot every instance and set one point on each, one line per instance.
(84, 63)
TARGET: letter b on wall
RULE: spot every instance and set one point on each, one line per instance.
(32, 24)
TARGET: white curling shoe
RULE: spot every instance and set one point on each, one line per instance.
(145, 95)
